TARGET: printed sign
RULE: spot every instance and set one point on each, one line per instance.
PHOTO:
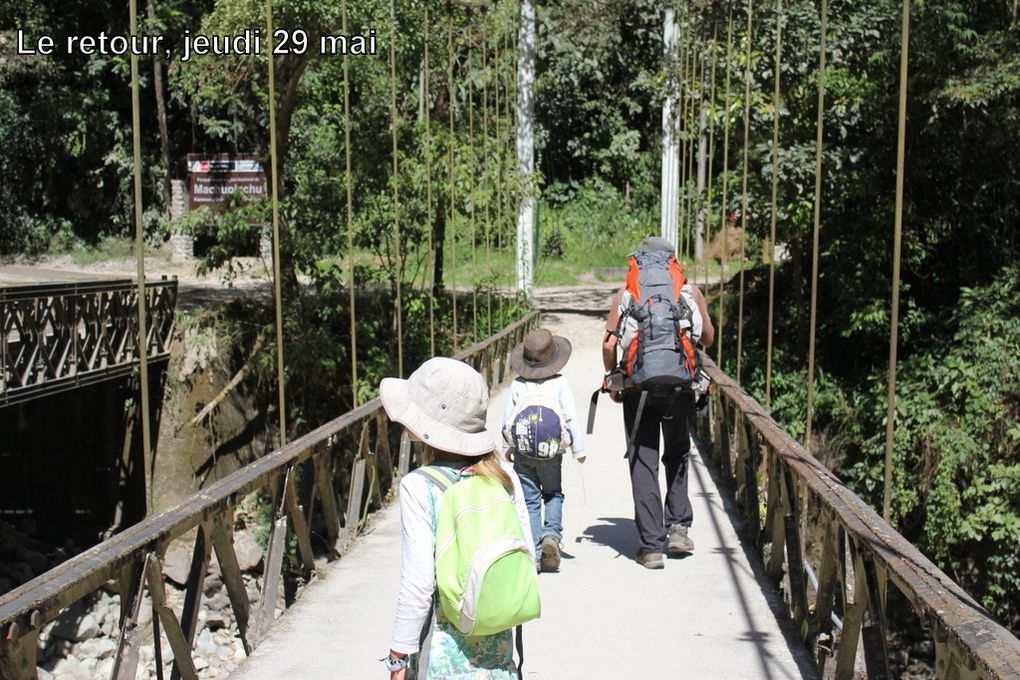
(213, 178)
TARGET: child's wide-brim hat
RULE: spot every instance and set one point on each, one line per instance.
(443, 403)
(541, 355)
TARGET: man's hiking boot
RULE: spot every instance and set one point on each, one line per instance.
(649, 560)
(680, 544)
(550, 559)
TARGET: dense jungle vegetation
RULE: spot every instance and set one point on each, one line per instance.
(65, 131)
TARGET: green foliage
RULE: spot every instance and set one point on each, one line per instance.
(592, 226)
(230, 232)
(597, 81)
(957, 449)
(956, 482)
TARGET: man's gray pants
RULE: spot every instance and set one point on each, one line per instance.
(669, 412)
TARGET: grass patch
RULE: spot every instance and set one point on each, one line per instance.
(108, 249)
(585, 233)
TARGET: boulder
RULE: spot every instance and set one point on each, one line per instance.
(70, 669)
(75, 625)
(98, 648)
(36, 561)
(248, 551)
(177, 564)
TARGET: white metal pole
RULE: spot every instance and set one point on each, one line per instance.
(526, 146)
(669, 190)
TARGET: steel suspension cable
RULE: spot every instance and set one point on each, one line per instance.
(509, 101)
(775, 195)
(509, 98)
(697, 75)
(350, 213)
(725, 189)
(707, 210)
(275, 197)
(453, 172)
(820, 127)
(474, 190)
(148, 463)
(430, 270)
(394, 121)
(699, 198)
(497, 57)
(499, 156)
(743, 180)
(486, 169)
(894, 323)
(682, 128)
(692, 136)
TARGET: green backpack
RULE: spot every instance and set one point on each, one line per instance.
(485, 574)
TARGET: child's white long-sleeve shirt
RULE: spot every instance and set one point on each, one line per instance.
(560, 389)
(417, 557)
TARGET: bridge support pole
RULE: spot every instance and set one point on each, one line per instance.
(17, 654)
(526, 148)
(670, 183)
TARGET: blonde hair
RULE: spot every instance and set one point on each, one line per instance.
(487, 465)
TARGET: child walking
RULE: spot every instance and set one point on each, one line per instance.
(443, 404)
(539, 425)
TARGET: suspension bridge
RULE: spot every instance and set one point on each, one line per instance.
(793, 576)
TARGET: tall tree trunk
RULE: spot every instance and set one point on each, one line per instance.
(284, 118)
(164, 136)
(438, 238)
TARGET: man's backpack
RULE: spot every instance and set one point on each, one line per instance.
(537, 428)
(659, 326)
(660, 323)
(485, 575)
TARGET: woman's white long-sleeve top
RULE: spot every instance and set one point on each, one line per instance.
(417, 557)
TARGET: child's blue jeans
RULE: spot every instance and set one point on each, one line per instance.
(542, 483)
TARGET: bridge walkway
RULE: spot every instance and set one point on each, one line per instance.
(711, 615)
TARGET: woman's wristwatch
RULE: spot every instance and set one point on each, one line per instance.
(394, 665)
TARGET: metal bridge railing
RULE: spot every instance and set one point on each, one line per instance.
(861, 555)
(344, 455)
(55, 337)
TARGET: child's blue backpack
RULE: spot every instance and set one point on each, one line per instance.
(537, 428)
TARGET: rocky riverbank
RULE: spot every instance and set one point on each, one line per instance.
(81, 643)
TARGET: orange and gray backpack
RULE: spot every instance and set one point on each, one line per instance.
(659, 323)
(659, 327)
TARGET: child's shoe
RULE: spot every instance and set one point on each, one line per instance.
(550, 553)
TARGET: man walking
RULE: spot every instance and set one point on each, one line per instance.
(661, 528)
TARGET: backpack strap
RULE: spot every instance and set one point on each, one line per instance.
(519, 640)
(439, 476)
(591, 409)
(637, 423)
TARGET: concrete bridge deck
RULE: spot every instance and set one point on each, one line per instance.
(711, 615)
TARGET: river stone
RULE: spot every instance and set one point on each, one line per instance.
(74, 624)
(36, 561)
(98, 648)
(177, 565)
(70, 669)
(205, 644)
(249, 553)
(87, 628)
